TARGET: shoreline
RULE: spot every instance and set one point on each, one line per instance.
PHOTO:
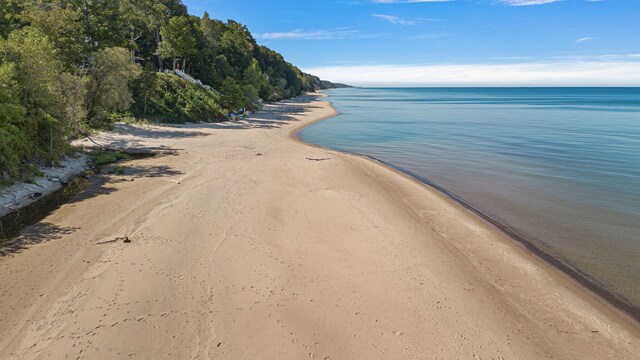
(600, 292)
(625, 312)
(243, 242)
(17, 196)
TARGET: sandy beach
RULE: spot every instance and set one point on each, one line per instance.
(248, 244)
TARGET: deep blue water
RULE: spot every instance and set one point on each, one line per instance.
(559, 165)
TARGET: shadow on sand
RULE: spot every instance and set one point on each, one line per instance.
(36, 234)
(20, 230)
(158, 132)
(129, 172)
(273, 116)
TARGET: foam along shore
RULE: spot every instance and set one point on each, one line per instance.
(247, 243)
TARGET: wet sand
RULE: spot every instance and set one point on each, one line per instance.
(246, 243)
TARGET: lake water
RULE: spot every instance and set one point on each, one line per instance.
(560, 166)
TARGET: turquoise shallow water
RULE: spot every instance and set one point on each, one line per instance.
(561, 166)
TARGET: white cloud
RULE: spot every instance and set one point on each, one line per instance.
(527, 2)
(308, 35)
(584, 39)
(568, 73)
(395, 20)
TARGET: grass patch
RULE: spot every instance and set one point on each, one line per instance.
(102, 157)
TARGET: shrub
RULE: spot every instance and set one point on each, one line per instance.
(169, 98)
(14, 150)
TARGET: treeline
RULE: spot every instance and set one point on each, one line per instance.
(67, 66)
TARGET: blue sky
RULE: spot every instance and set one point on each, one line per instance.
(455, 42)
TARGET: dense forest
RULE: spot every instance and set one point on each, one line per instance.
(70, 66)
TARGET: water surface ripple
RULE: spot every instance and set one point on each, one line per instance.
(559, 165)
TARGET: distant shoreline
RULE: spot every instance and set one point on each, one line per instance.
(486, 87)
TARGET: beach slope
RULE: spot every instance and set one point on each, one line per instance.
(246, 243)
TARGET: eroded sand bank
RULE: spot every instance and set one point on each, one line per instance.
(248, 244)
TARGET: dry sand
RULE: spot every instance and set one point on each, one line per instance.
(237, 255)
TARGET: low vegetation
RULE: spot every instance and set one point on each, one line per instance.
(102, 157)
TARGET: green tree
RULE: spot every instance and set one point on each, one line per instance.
(232, 95)
(170, 8)
(74, 90)
(141, 17)
(237, 45)
(220, 69)
(11, 111)
(253, 75)
(37, 77)
(254, 82)
(63, 26)
(211, 31)
(14, 146)
(101, 21)
(178, 40)
(110, 74)
(9, 16)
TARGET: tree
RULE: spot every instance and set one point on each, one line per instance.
(62, 25)
(11, 111)
(220, 69)
(141, 17)
(232, 96)
(9, 11)
(37, 76)
(101, 21)
(110, 74)
(254, 83)
(171, 8)
(14, 146)
(211, 32)
(74, 90)
(253, 75)
(237, 45)
(178, 40)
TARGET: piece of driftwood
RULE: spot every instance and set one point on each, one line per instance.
(124, 239)
(323, 159)
(90, 139)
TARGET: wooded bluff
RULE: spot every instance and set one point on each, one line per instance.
(70, 66)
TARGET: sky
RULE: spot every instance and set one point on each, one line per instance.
(448, 42)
